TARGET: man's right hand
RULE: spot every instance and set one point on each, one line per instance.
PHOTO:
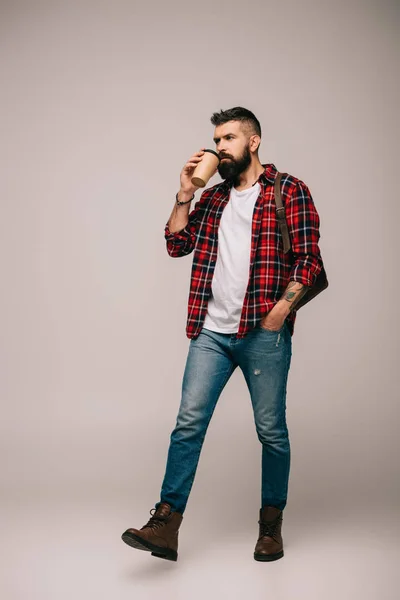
(187, 186)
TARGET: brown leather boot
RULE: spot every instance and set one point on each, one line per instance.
(160, 534)
(269, 544)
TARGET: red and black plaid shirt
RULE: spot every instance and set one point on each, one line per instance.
(270, 269)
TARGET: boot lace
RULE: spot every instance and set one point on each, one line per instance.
(155, 521)
(269, 528)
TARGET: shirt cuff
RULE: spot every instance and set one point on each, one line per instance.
(304, 275)
(182, 234)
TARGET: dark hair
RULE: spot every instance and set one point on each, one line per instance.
(237, 114)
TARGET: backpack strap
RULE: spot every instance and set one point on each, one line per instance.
(280, 212)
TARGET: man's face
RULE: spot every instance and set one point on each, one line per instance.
(232, 143)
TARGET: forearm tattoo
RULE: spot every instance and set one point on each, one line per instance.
(293, 295)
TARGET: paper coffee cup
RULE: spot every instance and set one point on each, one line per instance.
(206, 168)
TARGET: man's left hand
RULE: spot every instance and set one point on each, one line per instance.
(275, 318)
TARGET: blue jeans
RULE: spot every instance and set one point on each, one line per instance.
(264, 357)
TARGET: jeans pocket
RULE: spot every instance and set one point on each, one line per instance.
(273, 331)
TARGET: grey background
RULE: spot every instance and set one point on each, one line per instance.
(102, 103)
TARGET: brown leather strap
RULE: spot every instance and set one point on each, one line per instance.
(280, 212)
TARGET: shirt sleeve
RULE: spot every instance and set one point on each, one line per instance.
(303, 224)
(181, 243)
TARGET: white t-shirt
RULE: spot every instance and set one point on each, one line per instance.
(231, 272)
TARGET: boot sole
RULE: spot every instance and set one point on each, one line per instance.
(140, 544)
(268, 557)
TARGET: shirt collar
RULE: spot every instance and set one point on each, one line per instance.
(267, 176)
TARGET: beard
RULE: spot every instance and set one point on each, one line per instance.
(233, 167)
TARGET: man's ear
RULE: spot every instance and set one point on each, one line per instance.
(255, 141)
